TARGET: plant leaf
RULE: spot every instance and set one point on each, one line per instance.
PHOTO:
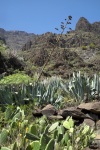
(53, 127)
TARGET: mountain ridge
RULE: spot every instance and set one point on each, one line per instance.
(78, 50)
(16, 39)
(84, 25)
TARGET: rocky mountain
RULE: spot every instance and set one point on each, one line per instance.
(78, 50)
(84, 25)
(8, 62)
(16, 39)
(61, 54)
(96, 27)
(2, 33)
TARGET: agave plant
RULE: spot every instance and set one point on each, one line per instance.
(44, 92)
(52, 92)
(80, 84)
(95, 85)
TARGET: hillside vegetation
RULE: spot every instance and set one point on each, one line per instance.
(79, 49)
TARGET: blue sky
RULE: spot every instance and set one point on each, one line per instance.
(40, 16)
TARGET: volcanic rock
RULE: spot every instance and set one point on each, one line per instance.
(83, 25)
(93, 107)
(49, 110)
(74, 112)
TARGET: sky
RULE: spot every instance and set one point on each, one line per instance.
(41, 16)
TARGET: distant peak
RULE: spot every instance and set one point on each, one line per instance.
(83, 19)
(83, 24)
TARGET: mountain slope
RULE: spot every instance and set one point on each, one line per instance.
(16, 39)
(8, 63)
(79, 50)
(61, 54)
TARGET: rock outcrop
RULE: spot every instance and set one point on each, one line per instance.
(83, 25)
(96, 27)
(15, 40)
(92, 107)
(49, 110)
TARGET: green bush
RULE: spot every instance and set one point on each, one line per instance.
(92, 46)
(84, 47)
(15, 79)
(2, 49)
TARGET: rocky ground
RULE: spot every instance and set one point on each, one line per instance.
(85, 113)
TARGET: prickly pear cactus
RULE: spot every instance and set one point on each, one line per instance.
(3, 136)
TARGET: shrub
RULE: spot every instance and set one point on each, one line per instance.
(84, 47)
(92, 45)
(2, 49)
(15, 79)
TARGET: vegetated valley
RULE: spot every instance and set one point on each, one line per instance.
(50, 88)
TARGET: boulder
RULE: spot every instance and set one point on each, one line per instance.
(74, 112)
(97, 137)
(95, 145)
(98, 125)
(52, 117)
(37, 113)
(49, 110)
(92, 116)
(93, 107)
(89, 122)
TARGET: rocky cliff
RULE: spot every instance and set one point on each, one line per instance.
(84, 25)
(16, 39)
